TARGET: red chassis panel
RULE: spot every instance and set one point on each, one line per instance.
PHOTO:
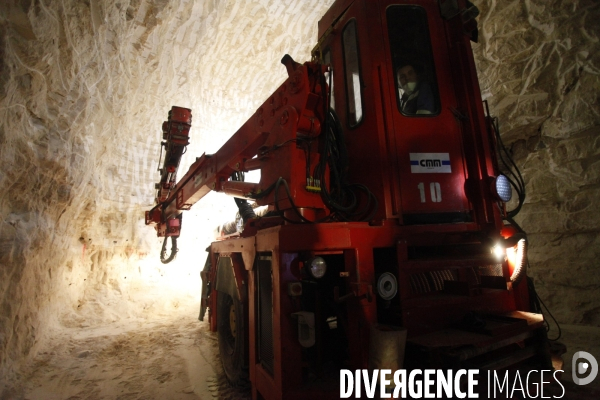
(289, 245)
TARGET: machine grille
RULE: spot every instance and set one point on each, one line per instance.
(425, 282)
(491, 270)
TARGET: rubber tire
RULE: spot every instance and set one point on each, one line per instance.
(232, 349)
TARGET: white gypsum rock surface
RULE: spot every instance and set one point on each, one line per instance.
(539, 69)
(85, 86)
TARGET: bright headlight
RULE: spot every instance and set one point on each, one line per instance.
(503, 188)
(317, 267)
(499, 251)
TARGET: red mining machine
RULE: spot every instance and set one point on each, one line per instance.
(384, 243)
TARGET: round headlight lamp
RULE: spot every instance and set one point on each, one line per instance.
(499, 252)
(503, 188)
(387, 286)
(317, 267)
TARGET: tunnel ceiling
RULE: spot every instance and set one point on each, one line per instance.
(85, 86)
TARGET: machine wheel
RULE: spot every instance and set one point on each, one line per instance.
(232, 331)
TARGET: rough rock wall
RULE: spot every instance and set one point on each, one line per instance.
(84, 88)
(539, 68)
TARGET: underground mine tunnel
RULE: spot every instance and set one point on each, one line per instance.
(87, 308)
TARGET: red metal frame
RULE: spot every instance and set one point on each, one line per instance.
(293, 111)
(356, 241)
(378, 150)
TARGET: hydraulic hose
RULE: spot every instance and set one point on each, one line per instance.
(246, 211)
(163, 253)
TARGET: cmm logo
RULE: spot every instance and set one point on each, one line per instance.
(430, 163)
(580, 367)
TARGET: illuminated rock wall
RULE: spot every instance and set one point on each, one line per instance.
(84, 88)
(539, 66)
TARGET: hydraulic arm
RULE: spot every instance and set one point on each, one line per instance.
(280, 139)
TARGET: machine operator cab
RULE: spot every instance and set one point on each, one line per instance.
(403, 83)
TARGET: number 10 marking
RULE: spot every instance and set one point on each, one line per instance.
(434, 188)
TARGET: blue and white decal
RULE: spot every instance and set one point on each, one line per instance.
(427, 163)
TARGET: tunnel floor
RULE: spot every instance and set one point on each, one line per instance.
(166, 356)
(171, 358)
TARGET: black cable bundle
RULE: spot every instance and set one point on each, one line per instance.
(513, 174)
(245, 209)
(516, 180)
(341, 199)
(536, 307)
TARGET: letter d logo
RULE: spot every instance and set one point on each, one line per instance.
(582, 367)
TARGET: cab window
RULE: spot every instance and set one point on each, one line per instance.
(352, 70)
(414, 70)
(329, 76)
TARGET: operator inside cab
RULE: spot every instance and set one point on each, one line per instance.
(416, 96)
(414, 69)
